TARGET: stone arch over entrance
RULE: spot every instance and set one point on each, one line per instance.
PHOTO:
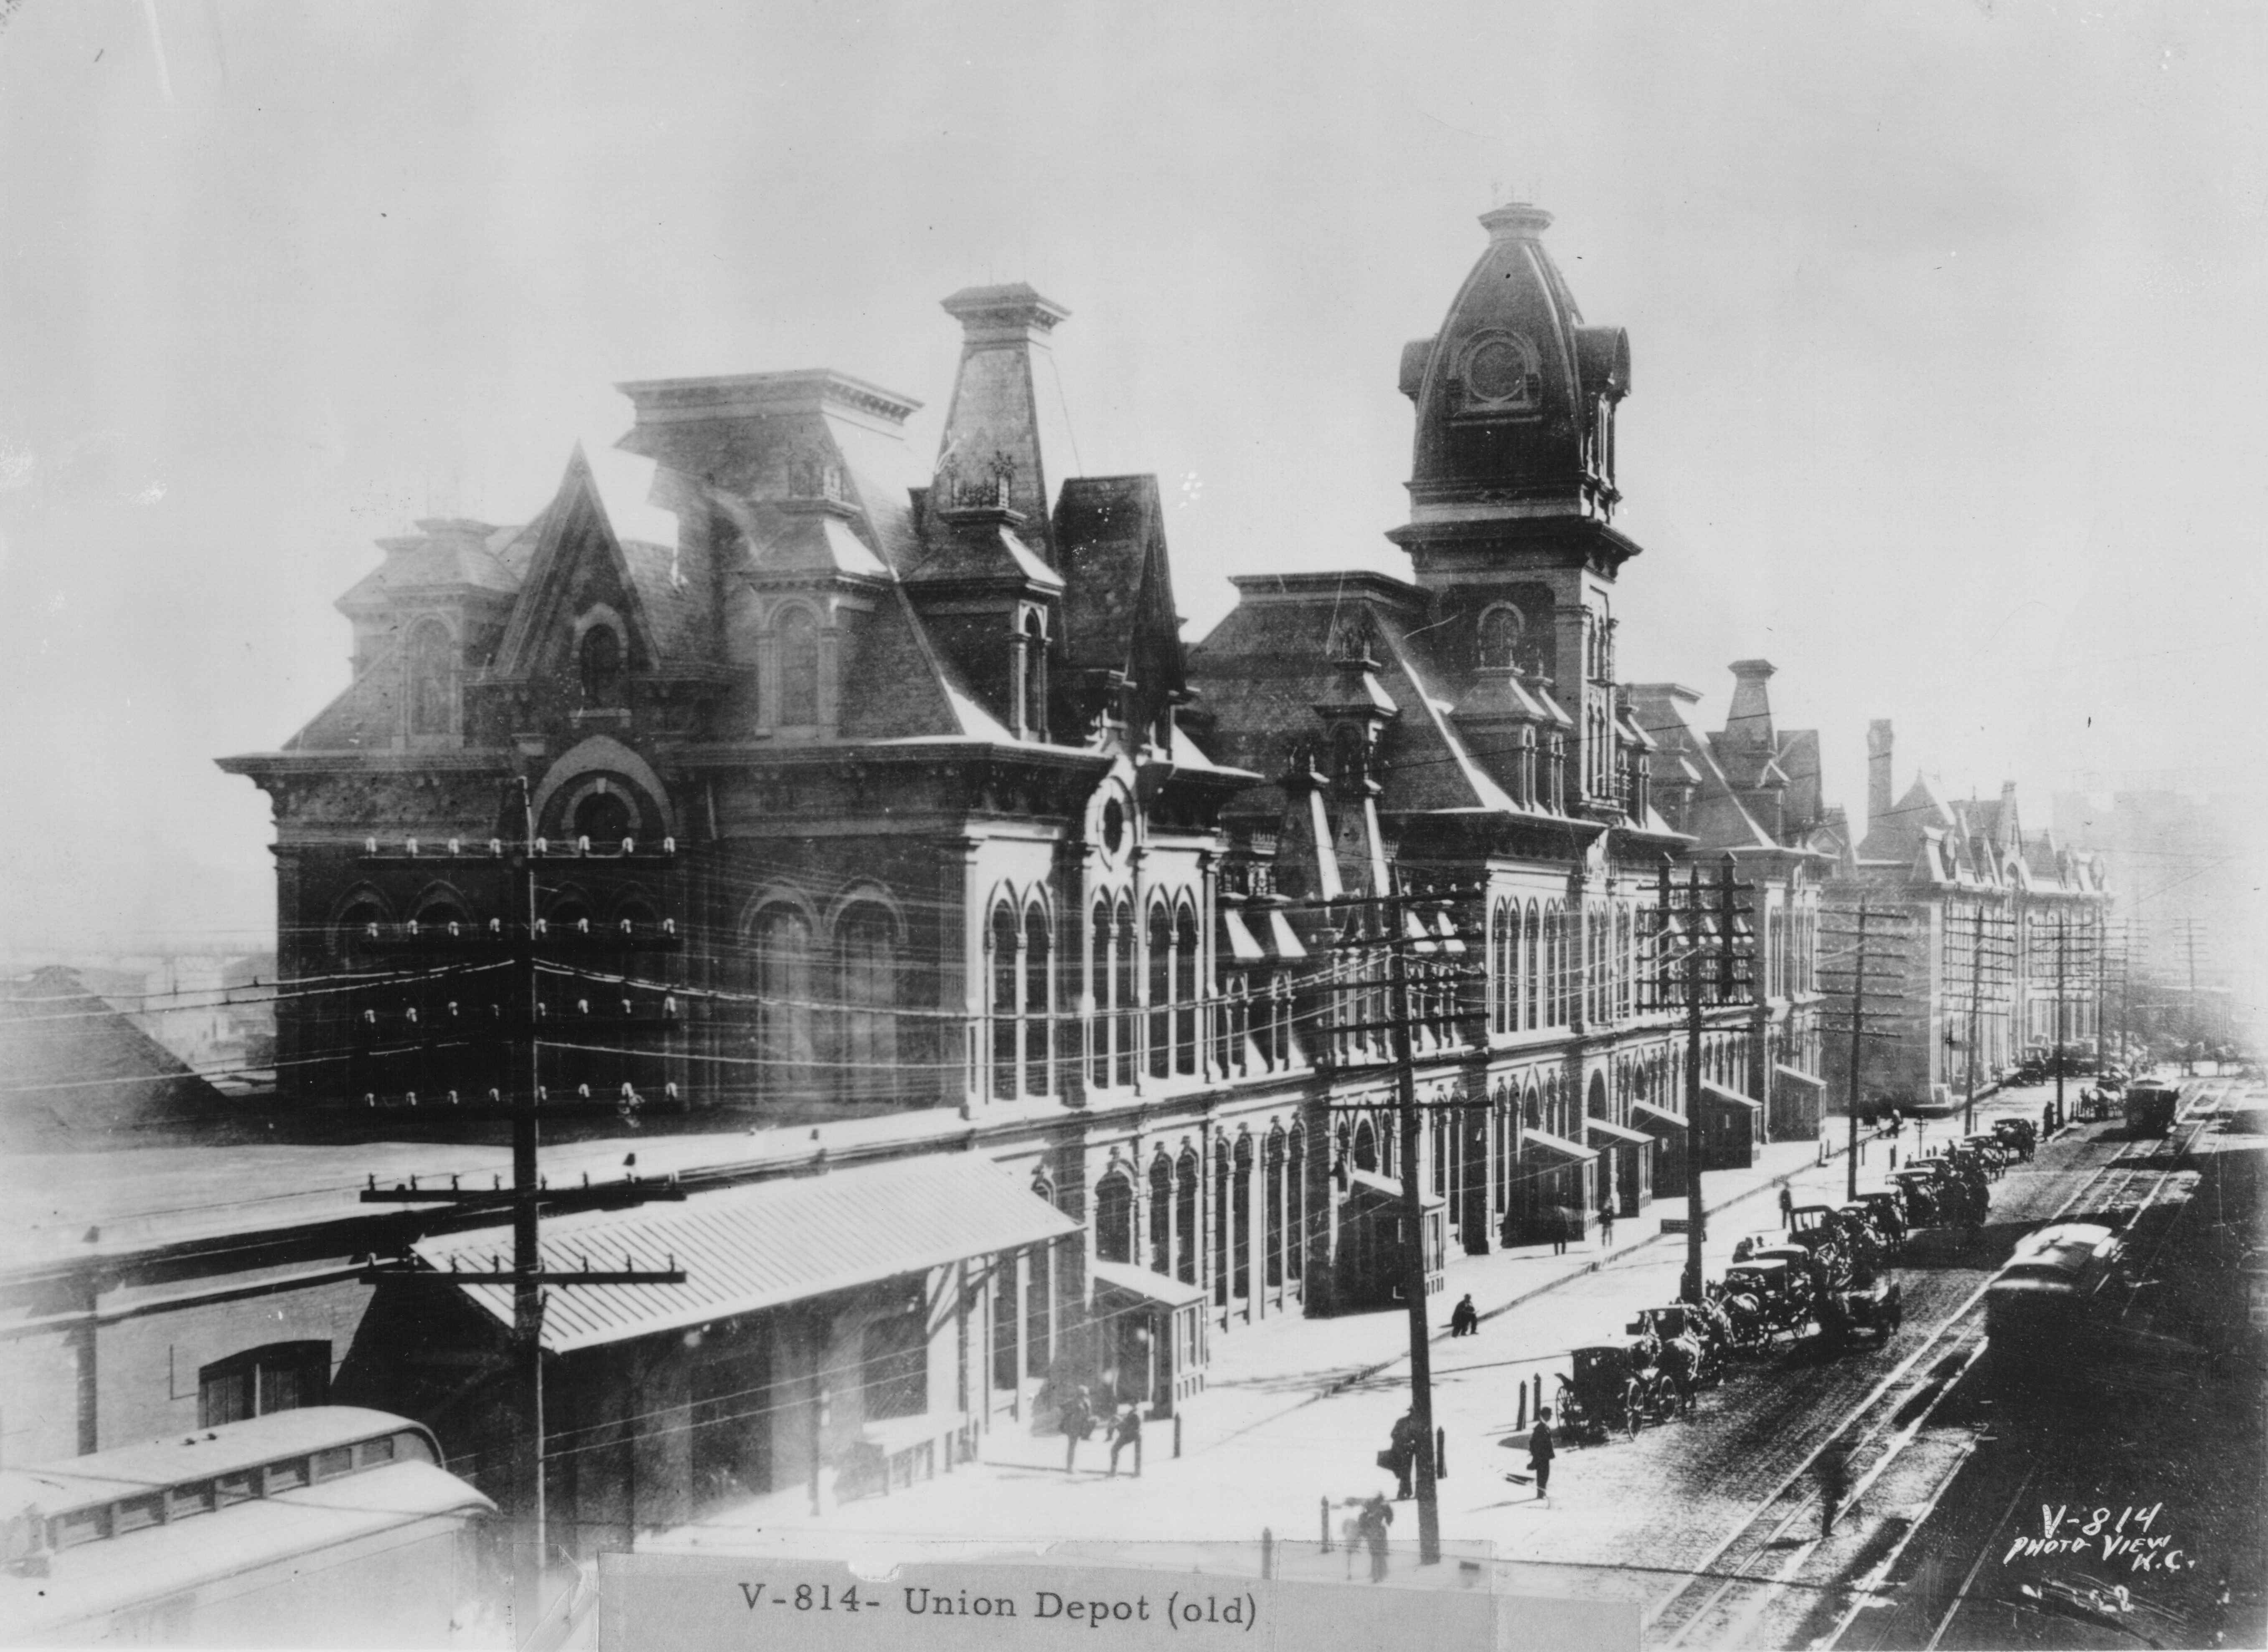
(603, 755)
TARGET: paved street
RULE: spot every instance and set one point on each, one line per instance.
(1296, 1409)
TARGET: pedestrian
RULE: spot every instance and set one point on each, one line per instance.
(1786, 1207)
(1078, 1415)
(1370, 1526)
(1124, 1431)
(1464, 1319)
(1540, 1451)
(1834, 1471)
(1407, 1441)
(1606, 1227)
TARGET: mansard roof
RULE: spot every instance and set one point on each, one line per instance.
(446, 554)
(1716, 820)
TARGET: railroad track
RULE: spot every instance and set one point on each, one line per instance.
(1723, 1596)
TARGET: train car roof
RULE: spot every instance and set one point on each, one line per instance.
(127, 1471)
(90, 1580)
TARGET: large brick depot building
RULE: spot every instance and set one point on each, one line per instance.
(966, 853)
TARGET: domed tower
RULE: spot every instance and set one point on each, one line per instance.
(1513, 490)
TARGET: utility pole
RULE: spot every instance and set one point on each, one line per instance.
(528, 1197)
(2189, 1043)
(1702, 985)
(1975, 997)
(1874, 935)
(2060, 1061)
(1413, 1247)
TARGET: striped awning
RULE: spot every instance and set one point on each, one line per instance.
(763, 1245)
(1732, 1096)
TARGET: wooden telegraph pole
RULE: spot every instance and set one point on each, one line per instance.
(1413, 1247)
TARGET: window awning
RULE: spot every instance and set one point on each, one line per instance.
(1615, 1132)
(1285, 939)
(1388, 1187)
(1142, 1283)
(1559, 1144)
(1648, 1110)
(1732, 1096)
(764, 1246)
(1242, 945)
(1800, 1077)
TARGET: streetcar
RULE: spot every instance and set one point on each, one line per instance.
(2040, 1304)
(2150, 1108)
(329, 1525)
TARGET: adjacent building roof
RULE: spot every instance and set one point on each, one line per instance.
(764, 1246)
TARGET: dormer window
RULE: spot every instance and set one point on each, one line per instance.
(600, 662)
(432, 678)
(799, 667)
(1500, 374)
(1031, 678)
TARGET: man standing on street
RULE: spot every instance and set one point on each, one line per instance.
(1407, 1441)
(1834, 1471)
(1125, 1430)
(1786, 1207)
(1606, 1227)
(1077, 1423)
(1370, 1525)
(1540, 1451)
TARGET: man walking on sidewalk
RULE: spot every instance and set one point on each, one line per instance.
(1834, 1471)
(1126, 1430)
(1606, 1227)
(1539, 1452)
(1786, 1207)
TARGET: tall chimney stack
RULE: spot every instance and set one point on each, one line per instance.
(1878, 772)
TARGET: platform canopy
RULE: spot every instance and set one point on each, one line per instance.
(764, 1245)
(1732, 1096)
(1800, 1075)
(1614, 1131)
(1556, 1144)
(1661, 1115)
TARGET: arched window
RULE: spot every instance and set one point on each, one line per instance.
(1499, 638)
(1097, 974)
(1122, 1024)
(1161, 980)
(1185, 990)
(799, 668)
(1161, 1215)
(604, 817)
(1531, 942)
(1114, 1220)
(1004, 1002)
(432, 678)
(599, 661)
(1186, 1205)
(1039, 1003)
(1295, 1200)
(1035, 673)
(866, 964)
(785, 1047)
(1366, 1147)
(1240, 1216)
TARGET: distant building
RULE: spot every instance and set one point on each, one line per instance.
(1999, 950)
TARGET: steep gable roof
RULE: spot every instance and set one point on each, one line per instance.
(1118, 584)
(576, 534)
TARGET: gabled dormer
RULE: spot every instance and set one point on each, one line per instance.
(425, 620)
(608, 634)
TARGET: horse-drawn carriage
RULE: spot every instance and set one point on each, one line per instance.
(1612, 1389)
(1684, 1342)
(1763, 1297)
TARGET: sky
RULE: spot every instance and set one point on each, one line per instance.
(1947, 321)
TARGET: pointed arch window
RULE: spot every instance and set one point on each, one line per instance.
(599, 659)
(1123, 1027)
(1161, 964)
(799, 667)
(1500, 639)
(1185, 990)
(1004, 1002)
(1039, 1003)
(1113, 1219)
(432, 678)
